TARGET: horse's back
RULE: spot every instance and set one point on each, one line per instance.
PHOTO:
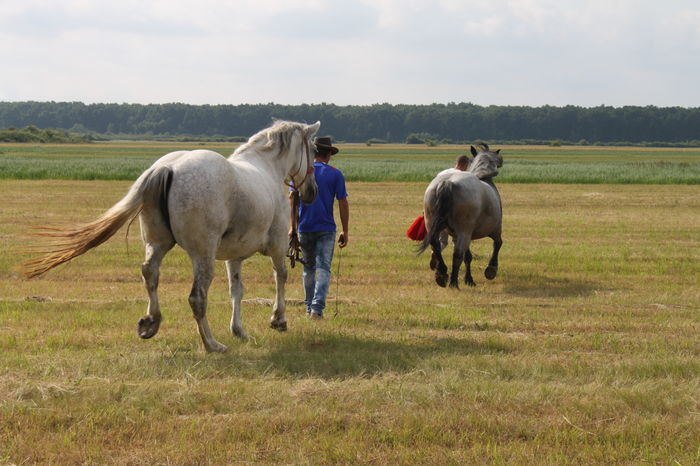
(198, 199)
(200, 161)
(476, 206)
(470, 189)
(200, 178)
(224, 204)
(478, 202)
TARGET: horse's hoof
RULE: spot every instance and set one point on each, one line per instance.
(470, 283)
(490, 272)
(279, 326)
(454, 285)
(238, 332)
(441, 280)
(148, 327)
(215, 347)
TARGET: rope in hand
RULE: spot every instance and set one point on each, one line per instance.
(337, 282)
(294, 251)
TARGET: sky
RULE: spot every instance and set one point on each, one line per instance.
(354, 52)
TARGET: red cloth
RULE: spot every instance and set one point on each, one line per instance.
(417, 230)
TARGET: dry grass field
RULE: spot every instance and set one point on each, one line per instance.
(584, 350)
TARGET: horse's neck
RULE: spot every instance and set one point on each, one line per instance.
(264, 162)
(483, 168)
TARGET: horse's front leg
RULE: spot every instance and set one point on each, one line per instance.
(235, 289)
(492, 269)
(278, 321)
(150, 271)
(203, 269)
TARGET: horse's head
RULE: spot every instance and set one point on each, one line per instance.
(303, 173)
(289, 144)
(486, 162)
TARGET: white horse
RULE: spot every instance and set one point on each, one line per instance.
(214, 208)
(467, 206)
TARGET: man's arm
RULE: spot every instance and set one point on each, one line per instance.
(344, 209)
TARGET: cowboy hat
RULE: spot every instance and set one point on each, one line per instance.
(323, 144)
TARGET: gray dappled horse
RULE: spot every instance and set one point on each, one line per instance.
(467, 206)
(214, 208)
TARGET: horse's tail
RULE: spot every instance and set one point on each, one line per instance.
(441, 207)
(151, 188)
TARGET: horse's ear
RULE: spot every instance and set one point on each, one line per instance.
(473, 151)
(311, 130)
(498, 151)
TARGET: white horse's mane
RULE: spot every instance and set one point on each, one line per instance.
(278, 135)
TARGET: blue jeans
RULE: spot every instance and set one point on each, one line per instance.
(317, 248)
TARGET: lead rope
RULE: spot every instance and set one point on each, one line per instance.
(337, 282)
(294, 251)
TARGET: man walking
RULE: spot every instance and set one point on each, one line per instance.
(317, 228)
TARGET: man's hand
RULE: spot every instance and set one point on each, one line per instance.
(343, 239)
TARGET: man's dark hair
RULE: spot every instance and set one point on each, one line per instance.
(462, 160)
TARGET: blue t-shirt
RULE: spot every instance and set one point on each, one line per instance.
(318, 216)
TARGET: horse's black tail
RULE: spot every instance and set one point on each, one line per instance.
(156, 189)
(442, 205)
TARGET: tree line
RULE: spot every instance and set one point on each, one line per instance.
(439, 123)
(34, 134)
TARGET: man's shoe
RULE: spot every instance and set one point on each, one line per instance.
(315, 316)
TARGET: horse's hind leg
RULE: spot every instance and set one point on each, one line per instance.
(150, 271)
(492, 269)
(235, 288)
(468, 279)
(278, 321)
(203, 269)
(443, 244)
(461, 248)
(437, 263)
(433, 261)
(444, 236)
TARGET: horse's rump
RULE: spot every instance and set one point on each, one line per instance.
(439, 209)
